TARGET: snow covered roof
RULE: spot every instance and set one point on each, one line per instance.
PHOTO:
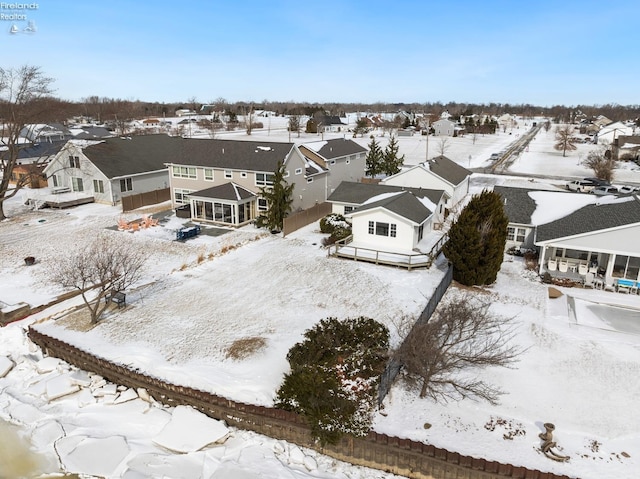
(447, 169)
(606, 213)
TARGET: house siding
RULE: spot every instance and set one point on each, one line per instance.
(405, 231)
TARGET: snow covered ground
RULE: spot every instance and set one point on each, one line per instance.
(579, 370)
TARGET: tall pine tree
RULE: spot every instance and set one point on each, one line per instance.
(279, 197)
(477, 240)
(374, 159)
(391, 162)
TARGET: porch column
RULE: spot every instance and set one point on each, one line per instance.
(542, 259)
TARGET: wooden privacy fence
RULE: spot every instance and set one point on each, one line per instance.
(132, 202)
(303, 218)
(399, 456)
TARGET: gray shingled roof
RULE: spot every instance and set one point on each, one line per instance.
(594, 217)
(403, 204)
(228, 191)
(338, 147)
(357, 193)
(140, 154)
(447, 169)
(40, 150)
(518, 205)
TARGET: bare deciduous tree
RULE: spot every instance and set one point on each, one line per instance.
(294, 124)
(440, 355)
(601, 161)
(564, 139)
(23, 101)
(104, 267)
(443, 145)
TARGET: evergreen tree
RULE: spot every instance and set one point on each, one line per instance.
(374, 159)
(391, 163)
(279, 197)
(334, 376)
(477, 240)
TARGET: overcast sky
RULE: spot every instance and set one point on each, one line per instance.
(540, 52)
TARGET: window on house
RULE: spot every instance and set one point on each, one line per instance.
(298, 171)
(208, 174)
(228, 174)
(309, 180)
(347, 162)
(264, 179)
(262, 204)
(516, 234)
(126, 185)
(332, 162)
(420, 232)
(98, 186)
(382, 229)
(626, 267)
(348, 209)
(286, 174)
(180, 196)
(76, 184)
(74, 161)
(56, 182)
(183, 172)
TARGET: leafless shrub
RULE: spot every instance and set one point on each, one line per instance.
(439, 356)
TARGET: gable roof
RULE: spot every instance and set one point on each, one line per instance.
(358, 193)
(518, 205)
(593, 217)
(330, 120)
(228, 191)
(335, 148)
(447, 169)
(132, 155)
(140, 154)
(403, 203)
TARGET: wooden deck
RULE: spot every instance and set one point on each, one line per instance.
(347, 250)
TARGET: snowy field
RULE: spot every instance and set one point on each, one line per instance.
(579, 370)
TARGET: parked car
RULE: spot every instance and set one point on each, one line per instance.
(494, 156)
(628, 190)
(605, 190)
(598, 181)
(581, 186)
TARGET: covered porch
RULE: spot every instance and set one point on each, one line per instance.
(228, 204)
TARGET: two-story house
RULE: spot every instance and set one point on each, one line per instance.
(221, 180)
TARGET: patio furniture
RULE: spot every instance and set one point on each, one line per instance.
(609, 284)
(582, 269)
(589, 280)
(598, 283)
(573, 267)
(552, 265)
(563, 266)
(593, 269)
(625, 285)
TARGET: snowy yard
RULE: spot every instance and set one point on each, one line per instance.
(579, 371)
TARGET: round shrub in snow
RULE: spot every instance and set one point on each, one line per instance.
(330, 222)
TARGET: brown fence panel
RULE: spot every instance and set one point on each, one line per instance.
(139, 200)
(303, 218)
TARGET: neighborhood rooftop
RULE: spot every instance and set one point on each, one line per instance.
(403, 203)
(357, 193)
(598, 216)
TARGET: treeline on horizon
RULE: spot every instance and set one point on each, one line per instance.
(103, 109)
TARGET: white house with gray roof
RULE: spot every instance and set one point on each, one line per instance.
(392, 222)
(601, 237)
(439, 173)
(349, 196)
